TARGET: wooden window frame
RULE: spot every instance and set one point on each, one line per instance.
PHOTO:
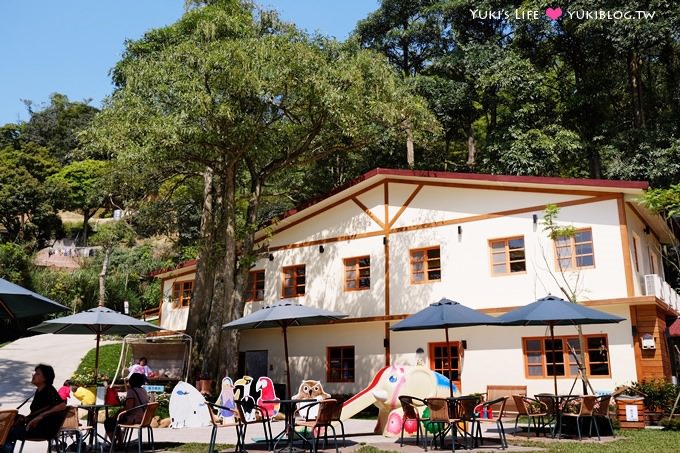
(507, 261)
(572, 252)
(357, 268)
(636, 252)
(251, 285)
(426, 265)
(295, 276)
(431, 358)
(329, 369)
(566, 357)
(179, 295)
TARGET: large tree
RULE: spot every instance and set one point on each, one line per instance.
(232, 95)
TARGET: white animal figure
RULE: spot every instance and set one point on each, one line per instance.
(187, 407)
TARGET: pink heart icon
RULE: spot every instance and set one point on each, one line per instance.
(554, 14)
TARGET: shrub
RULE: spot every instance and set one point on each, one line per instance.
(658, 394)
(671, 424)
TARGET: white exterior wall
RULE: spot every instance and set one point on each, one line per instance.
(174, 318)
(494, 354)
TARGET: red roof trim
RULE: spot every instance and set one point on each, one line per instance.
(181, 265)
(481, 177)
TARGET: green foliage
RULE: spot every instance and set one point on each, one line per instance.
(109, 355)
(671, 424)
(15, 264)
(658, 394)
(663, 201)
(552, 228)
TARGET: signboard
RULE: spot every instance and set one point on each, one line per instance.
(154, 388)
(631, 413)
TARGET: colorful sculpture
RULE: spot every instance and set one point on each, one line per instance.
(226, 399)
(384, 391)
(310, 389)
(187, 407)
(265, 387)
(242, 394)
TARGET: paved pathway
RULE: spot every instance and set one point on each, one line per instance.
(19, 358)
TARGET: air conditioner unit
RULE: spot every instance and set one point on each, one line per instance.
(652, 285)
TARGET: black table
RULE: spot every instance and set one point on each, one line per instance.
(559, 401)
(288, 407)
(92, 420)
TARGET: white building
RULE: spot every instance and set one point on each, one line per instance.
(393, 241)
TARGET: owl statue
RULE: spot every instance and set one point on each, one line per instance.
(310, 389)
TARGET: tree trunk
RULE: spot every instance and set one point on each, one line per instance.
(87, 215)
(202, 296)
(583, 346)
(410, 155)
(635, 83)
(102, 276)
(216, 343)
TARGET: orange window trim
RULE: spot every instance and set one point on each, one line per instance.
(346, 352)
(567, 359)
(255, 277)
(431, 357)
(354, 265)
(428, 265)
(297, 271)
(507, 261)
(181, 293)
(572, 256)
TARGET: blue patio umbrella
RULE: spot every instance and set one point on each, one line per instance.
(443, 315)
(552, 311)
(284, 315)
(98, 321)
(19, 302)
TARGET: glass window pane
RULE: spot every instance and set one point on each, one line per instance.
(519, 266)
(584, 261)
(584, 249)
(599, 369)
(535, 371)
(498, 245)
(498, 258)
(516, 243)
(433, 253)
(583, 236)
(499, 268)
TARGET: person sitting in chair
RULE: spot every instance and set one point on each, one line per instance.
(140, 367)
(136, 396)
(46, 408)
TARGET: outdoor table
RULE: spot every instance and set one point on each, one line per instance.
(288, 409)
(559, 401)
(462, 407)
(92, 420)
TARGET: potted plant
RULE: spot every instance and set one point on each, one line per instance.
(659, 396)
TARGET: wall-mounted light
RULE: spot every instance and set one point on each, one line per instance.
(535, 219)
(386, 343)
(384, 240)
(460, 230)
(271, 257)
(463, 344)
(647, 230)
(321, 249)
(633, 330)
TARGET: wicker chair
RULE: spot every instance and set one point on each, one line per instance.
(410, 405)
(7, 417)
(323, 420)
(602, 410)
(445, 419)
(551, 409)
(261, 416)
(128, 428)
(586, 409)
(531, 408)
(52, 438)
(72, 427)
(217, 423)
(497, 407)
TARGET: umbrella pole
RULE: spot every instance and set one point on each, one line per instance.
(448, 354)
(96, 362)
(552, 337)
(285, 347)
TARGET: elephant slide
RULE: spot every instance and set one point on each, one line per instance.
(385, 388)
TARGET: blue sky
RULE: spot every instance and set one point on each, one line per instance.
(69, 46)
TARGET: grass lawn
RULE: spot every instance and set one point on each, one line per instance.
(108, 361)
(628, 441)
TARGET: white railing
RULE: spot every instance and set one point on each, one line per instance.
(654, 285)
